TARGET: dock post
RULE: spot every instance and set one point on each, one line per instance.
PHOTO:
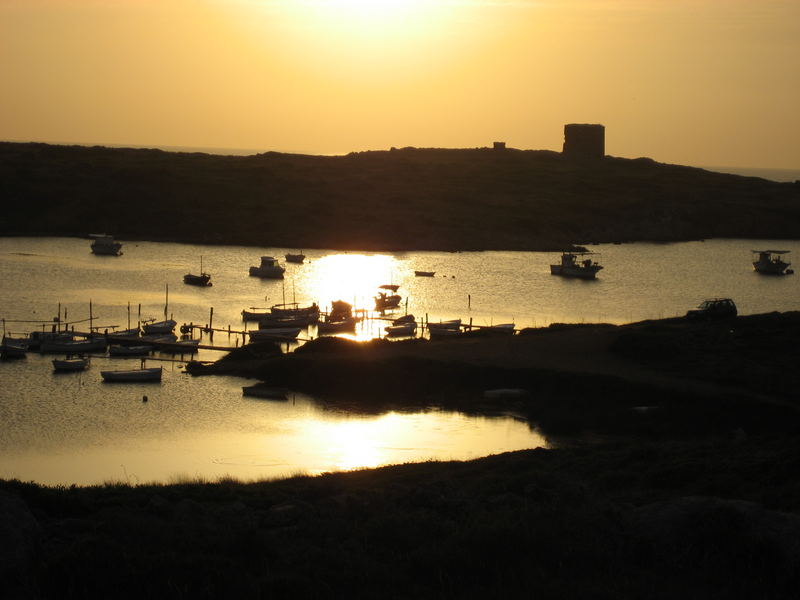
(469, 301)
(211, 318)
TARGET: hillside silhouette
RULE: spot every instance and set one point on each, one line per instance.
(401, 199)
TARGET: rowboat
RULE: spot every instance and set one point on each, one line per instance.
(254, 314)
(135, 375)
(295, 258)
(70, 364)
(424, 273)
(443, 329)
(165, 326)
(116, 350)
(401, 329)
(278, 333)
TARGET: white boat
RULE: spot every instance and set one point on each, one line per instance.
(770, 262)
(93, 344)
(573, 266)
(263, 391)
(275, 334)
(105, 244)
(70, 364)
(268, 269)
(116, 350)
(134, 375)
(165, 326)
(295, 258)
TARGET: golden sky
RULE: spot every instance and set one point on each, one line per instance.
(696, 82)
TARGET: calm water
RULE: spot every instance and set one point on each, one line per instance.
(71, 428)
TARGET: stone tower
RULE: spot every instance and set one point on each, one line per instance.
(584, 140)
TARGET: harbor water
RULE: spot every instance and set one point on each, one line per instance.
(72, 428)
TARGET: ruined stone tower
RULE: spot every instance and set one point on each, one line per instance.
(584, 140)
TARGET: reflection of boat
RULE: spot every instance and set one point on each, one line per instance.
(571, 266)
(263, 391)
(295, 258)
(268, 269)
(202, 280)
(105, 244)
(70, 364)
(116, 350)
(424, 273)
(13, 348)
(134, 375)
(770, 262)
(385, 301)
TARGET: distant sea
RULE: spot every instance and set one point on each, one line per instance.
(772, 174)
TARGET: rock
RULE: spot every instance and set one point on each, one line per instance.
(20, 544)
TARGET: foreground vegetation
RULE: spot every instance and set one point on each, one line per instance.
(673, 474)
(407, 199)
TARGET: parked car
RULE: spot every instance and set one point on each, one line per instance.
(716, 308)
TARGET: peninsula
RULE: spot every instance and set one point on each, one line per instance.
(400, 199)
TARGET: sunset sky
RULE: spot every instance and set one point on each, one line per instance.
(696, 82)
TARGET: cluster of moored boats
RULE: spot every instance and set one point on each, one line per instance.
(79, 348)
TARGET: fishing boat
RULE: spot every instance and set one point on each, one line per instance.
(295, 258)
(340, 319)
(267, 392)
(274, 334)
(268, 269)
(271, 321)
(202, 280)
(119, 350)
(13, 348)
(70, 364)
(424, 273)
(574, 265)
(133, 375)
(105, 244)
(770, 262)
(385, 301)
(95, 343)
(36, 338)
(293, 309)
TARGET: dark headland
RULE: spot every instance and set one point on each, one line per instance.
(402, 199)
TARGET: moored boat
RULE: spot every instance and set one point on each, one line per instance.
(770, 262)
(165, 326)
(401, 329)
(13, 348)
(105, 244)
(295, 258)
(118, 350)
(133, 375)
(442, 329)
(268, 269)
(385, 301)
(202, 280)
(424, 273)
(340, 319)
(573, 265)
(275, 334)
(96, 343)
(70, 364)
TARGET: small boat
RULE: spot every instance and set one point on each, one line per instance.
(393, 287)
(385, 301)
(36, 338)
(105, 244)
(267, 392)
(339, 319)
(182, 347)
(202, 280)
(159, 338)
(13, 348)
(404, 319)
(407, 328)
(770, 262)
(165, 326)
(254, 313)
(268, 269)
(443, 329)
(117, 350)
(276, 334)
(70, 364)
(424, 273)
(273, 321)
(295, 311)
(572, 266)
(92, 344)
(124, 333)
(134, 375)
(295, 258)
(500, 329)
